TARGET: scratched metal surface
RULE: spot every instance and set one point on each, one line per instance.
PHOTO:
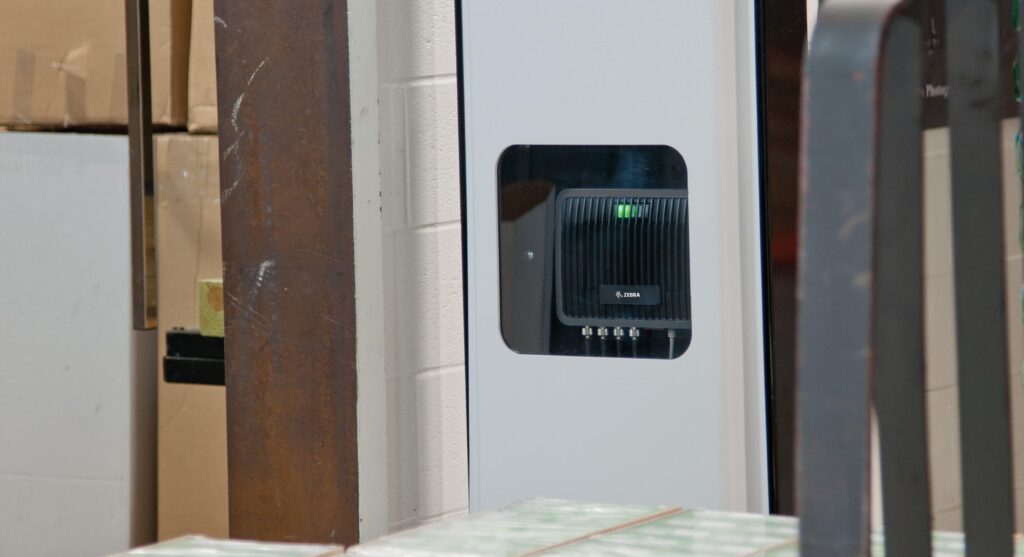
(286, 189)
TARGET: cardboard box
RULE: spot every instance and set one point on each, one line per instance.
(192, 436)
(63, 63)
(202, 70)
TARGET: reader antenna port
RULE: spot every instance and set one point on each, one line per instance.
(618, 332)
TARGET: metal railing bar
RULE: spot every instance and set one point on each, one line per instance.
(140, 153)
(899, 393)
(847, 100)
(978, 248)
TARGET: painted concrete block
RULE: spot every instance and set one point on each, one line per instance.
(944, 448)
(418, 38)
(433, 153)
(949, 520)
(1017, 407)
(393, 157)
(441, 420)
(1011, 189)
(940, 332)
(429, 298)
(938, 219)
(403, 455)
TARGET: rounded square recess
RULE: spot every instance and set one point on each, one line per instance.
(594, 250)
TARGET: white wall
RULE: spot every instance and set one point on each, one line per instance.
(422, 262)
(77, 385)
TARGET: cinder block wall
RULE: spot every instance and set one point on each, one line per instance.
(427, 458)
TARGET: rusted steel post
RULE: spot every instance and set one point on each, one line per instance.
(140, 151)
(286, 191)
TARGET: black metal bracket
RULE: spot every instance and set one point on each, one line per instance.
(194, 359)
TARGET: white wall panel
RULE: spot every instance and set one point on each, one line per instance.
(77, 397)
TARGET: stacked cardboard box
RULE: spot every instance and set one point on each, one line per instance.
(202, 70)
(63, 63)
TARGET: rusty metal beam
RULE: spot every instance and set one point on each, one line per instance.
(286, 190)
(140, 151)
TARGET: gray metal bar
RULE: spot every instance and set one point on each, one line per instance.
(899, 392)
(838, 286)
(978, 246)
(140, 149)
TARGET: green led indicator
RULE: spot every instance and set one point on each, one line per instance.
(626, 210)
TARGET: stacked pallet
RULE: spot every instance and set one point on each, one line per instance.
(554, 528)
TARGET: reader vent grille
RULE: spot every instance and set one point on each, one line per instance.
(627, 241)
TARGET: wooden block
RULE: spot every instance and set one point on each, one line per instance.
(211, 308)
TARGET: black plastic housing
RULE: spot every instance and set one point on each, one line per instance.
(622, 258)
